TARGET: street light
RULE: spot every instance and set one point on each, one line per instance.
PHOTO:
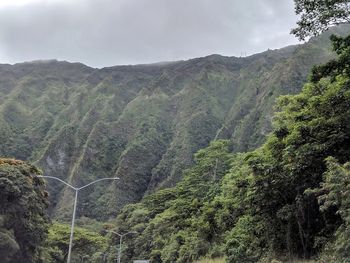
(104, 257)
(120, 240)
(82, 258)
(76, 189)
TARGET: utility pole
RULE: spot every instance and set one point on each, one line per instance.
(76, 189)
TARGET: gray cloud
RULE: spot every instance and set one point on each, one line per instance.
(110, 32)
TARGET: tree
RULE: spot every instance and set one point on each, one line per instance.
(341, 65)
(317, 16)
(86, 243)
(23, 218)
(335, 194)
(8, 245)
(178, 224)
(308, 128)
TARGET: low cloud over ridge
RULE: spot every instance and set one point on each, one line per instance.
(110, 32)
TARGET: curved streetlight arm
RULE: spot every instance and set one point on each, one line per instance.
(120, 241)
(58, 179)
(98, 180)
(111, 231)
(77, 188)
(121, 235)
(131, 232)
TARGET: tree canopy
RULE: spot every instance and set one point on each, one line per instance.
(287, 199)
(23, 218)
(318, 15)
(87, 244)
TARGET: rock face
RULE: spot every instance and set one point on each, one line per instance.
(141, 123)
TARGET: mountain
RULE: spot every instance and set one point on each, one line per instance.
(141, 123)
(286, 200)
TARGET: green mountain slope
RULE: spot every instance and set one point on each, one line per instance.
(288, 199)
(141, 123)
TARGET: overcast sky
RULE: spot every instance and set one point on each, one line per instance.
(112, 32)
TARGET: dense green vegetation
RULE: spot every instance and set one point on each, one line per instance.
(318, 15)
(287, 199)
(141, 123)
(334, 193)
(252, 192)
(88, 245)
(23, 218)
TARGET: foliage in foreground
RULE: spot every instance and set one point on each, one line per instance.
(88, 245)
(335, 192)
(23, 220)
(288, 199)
(318, 15)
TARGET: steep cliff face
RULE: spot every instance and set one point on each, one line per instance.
(141, 123)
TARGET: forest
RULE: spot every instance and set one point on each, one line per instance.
(234, 189)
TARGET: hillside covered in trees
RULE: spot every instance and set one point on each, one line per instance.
(288, 199)
(141, 123)
(236, 159)
(23, 217)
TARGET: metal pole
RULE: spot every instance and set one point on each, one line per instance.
(104, 257)
(120, 242)
(120, 248)
(72, 227)
(75, 204)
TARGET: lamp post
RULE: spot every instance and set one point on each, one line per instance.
(120, 241)
(104, 257)
(82, 258)
(76, 189)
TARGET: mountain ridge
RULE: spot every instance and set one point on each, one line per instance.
(158, 63)
(141, 123)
